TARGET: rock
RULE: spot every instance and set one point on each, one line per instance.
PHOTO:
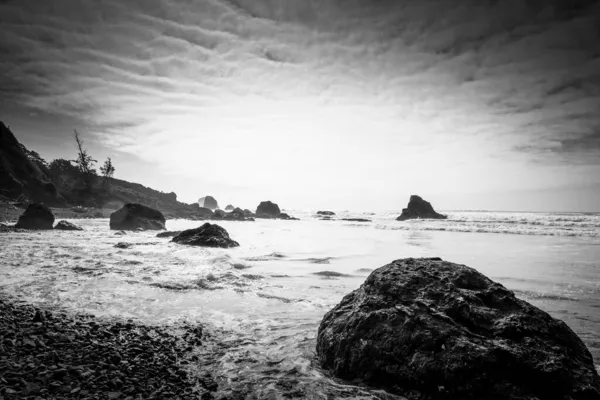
(430, 329)
(67, 226)
(205, 212)
(238, 215)
(229, 207)
(168, 234)
(36, 216)
(219, 214)
(266, 209)
(286, 216)
(123, 245)
(325, 213)
(356, 219)
(208, 235)
(419, 208)
(248, 213)
(133, 216)
(208, 202)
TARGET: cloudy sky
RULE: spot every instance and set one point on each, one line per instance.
(340, 104)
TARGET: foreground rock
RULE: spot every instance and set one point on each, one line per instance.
(430, 329)
(53, 355)
(133, 216)
(36, 216)
(419, 208)
(267, 209)
(67, 226)
(208, 235)
(208, 202)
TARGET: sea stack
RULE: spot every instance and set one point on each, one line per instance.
(36, 216)
(208, 202)
(267, 209)
(135, 216)
(419, 208)
(427, 328)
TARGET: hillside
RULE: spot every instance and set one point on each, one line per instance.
(25, 177)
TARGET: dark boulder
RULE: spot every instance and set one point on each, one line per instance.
(286, 216)
(208, 202)
(430, 329)
(248, 213)
(325, 213)
(208, 235)
(219, 215)
(36, 216)
(67, 226)
(419, 208)
(204, 212)
(168, 234)
(237, 215)
(267, 209)
(134, 216)
(356, 219)
(229, 207)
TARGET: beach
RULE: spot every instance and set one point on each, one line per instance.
(262, 303)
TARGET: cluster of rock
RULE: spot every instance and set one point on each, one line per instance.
(46, 355)
(417, 209)
(40, 217)
(430, 329)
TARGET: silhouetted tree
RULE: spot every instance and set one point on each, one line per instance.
(60, 166)
(107, 170)
(85, 162)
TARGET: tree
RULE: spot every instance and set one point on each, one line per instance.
(85, 162)
(107, 170)
(61, 166)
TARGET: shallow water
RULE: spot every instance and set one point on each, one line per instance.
(265, 299)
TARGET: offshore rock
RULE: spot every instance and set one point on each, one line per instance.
(419, 208)
(134, 216)
(229, 207)
(208, 235)
(36, 216)
(67, 226)
(267, 209)
(329, 213)
(431, 329)
(208, 202)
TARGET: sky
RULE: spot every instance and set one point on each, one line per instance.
(324, 104)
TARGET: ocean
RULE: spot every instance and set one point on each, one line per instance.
(262, 302)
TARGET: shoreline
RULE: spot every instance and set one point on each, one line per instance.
(52, 353)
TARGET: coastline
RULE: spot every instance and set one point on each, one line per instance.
(56, 354)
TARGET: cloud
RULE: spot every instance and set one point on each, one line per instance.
(484, 86)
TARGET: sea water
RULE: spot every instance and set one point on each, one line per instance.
(262, 302)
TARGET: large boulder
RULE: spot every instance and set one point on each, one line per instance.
(208, 235)
(67, 226)
(267, 209)
(36, 216)
(208, 202)
(431, 329)
(133, 216)
(419, 208)
(229, 207)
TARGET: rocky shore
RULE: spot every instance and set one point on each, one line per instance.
(57, 355)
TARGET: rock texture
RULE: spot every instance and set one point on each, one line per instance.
(36, 216)
(229, 207)
(22, 174)
(419, 208)
(208, 235)
(267, 209)
(134, 216)
(208, 202)
(168, 234)
(325, 213)
(67, 226)
(430, 329)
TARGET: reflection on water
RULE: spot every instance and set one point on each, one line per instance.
(264, 300)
